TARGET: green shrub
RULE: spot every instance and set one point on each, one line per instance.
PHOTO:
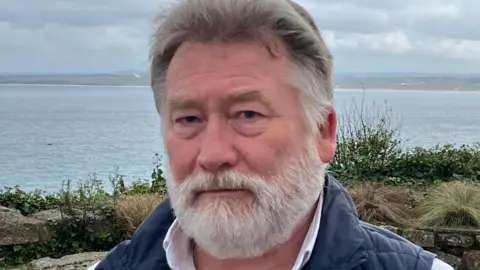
(73, 235)
(369, 148)
(84, 208)
(368, 145)
(27, 202)
(441, 163)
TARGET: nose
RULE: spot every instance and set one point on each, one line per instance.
(216, 150)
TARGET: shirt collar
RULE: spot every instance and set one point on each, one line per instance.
(310, 238)
(179, 253)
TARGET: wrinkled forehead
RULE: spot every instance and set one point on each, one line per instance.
(196, 63)
(197, 54)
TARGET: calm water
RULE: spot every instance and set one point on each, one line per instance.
(52, 133)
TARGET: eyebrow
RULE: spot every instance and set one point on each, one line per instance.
(179, 103)
(248, 96)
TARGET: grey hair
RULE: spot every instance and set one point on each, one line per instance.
(236, 20)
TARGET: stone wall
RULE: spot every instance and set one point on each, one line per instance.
(458, 247)
(17, 229)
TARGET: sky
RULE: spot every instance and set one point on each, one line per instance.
(91, 36)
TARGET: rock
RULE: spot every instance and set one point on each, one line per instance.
(453, 261)
(390, 228)
(472, 259)
(458, 230)
(8, 210)
(69, 262)
(456, 240)
(456, 251)
(420, 237)
(18, 229)
(49, 215)
(478, 240)
(97, 221)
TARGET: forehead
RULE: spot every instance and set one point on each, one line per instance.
(200, 67)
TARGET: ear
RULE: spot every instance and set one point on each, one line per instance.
(327, 137)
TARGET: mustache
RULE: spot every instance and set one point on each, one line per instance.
(224, 180)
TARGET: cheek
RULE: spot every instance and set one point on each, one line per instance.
(181, 157)
(277, 147)
(264, 156)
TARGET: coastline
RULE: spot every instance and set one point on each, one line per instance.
(403, 90)
(339, 89)
(73, 85)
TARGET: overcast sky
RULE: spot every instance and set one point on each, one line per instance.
(433, 36)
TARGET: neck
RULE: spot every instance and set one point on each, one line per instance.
(282, 257)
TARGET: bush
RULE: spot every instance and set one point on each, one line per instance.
(451, 204)
(441, 163)
(370, 149)
(93, 219)
(88, 224)
(368, 145)
(27, 202)
(378, 203)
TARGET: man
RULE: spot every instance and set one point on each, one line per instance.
(244, 90)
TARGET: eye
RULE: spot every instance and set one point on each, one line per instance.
(187, 120)
(248, 114)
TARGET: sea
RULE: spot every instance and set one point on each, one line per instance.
(51, 133)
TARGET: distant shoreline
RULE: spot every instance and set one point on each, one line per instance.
(74, 85)
(147, 86)
(403, 90)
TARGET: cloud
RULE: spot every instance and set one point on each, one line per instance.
(459, 49)
(443, 32)
(111, 35)
(393, 42)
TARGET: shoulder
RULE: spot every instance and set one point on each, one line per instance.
(383, 240)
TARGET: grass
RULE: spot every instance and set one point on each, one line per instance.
(134, 209)
(379, 203)
(451, 204)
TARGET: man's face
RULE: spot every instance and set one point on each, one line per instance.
(228, 107)
(241, 166)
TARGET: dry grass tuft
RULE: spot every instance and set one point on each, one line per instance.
(378, 203)
(133, 210)
(452, 204)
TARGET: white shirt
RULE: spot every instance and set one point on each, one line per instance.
(180, 257)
